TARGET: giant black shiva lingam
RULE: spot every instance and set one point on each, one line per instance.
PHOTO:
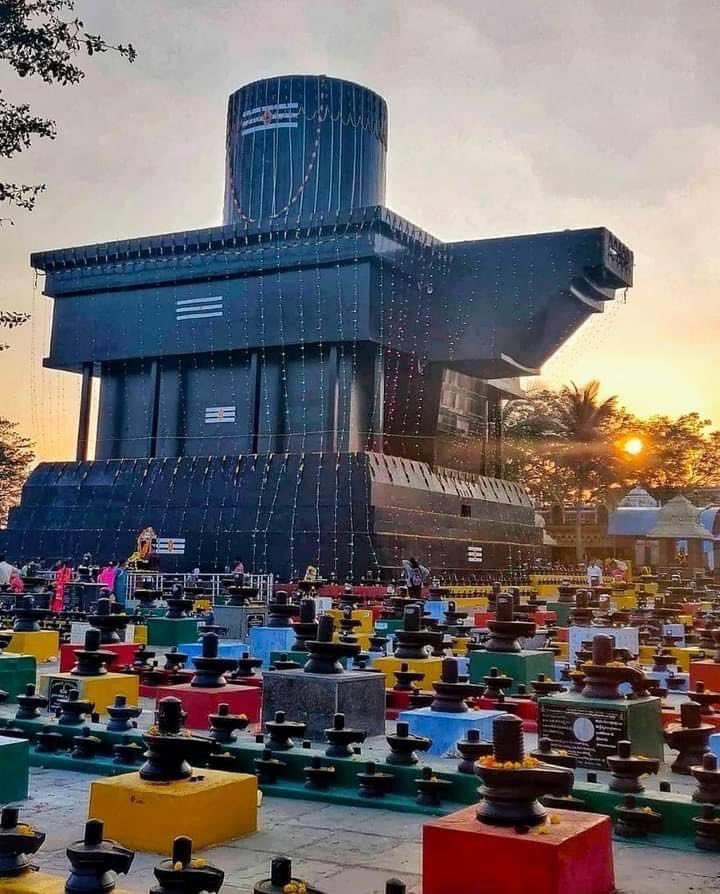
(512, 783)
(170, 747)
(324, 653)
(504, 630)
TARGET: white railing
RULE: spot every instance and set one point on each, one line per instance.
(212, 583)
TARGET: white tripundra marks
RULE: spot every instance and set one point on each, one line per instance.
(475, 554)
(170, 546)
(198, 308)
(219, 414)
(272, 117)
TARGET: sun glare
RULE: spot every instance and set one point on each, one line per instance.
(633, 446)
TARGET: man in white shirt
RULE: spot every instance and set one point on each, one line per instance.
(594, 569)
(6, 571)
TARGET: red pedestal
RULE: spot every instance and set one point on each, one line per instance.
(542, 618)
(707, 672)
(572, 857)
(480, 619)
(200, 703)
(125, 654)
(252, 681)
(562, 634)
(669, 715)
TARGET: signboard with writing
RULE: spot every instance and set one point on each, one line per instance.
(590, 733)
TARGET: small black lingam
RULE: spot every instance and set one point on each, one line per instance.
(246, 667)
(18, 842)
(283, 662)
(557, 757)
(373, 783)
(431, 788)
(72, 710)
(282, 881)
(406, 678)
(108, 622)
(182, 874)
(174, 660)
(49, 741)
(86, 745)
(282, 732)
(603, 674)
(268, 767)
(342, 738)
(241, 595)
(178, 605)
(496, 683)
(705, 697)
(96, 862)
(403, 745)
(627, 768)
(543, 685)
(512, 783)
(504, 631)
(707, 775)
(707, 829)
(122, 715)
(281, 609)
(471, 748)
(223, 724)
(209, 669)
(27, 616)
(30, 703)
(632, 821)
(324, 653)
(306, 627)
(127, 752)
(319, 776)
(411, 640)
(689, 738)
(92, 661)
(170, 747)
(453, 688)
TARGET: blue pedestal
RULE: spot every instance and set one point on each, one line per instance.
(661, 678)
(226, 649)
(714, 744)
(436, 608)
(446, 729)
(265, 640)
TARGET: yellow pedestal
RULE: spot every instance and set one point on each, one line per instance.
(140, 634)
(147, 816)
(39, 883)
(564, 652)
(430, 667)
(43, 645)
(625, 602)
(202, 605)
(683, 655)
(100, 690)
(359, 614)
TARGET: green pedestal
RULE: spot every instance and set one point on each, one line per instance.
(171, 631)
(590, 728)
(521, 666)
(383, 628)
(562, 610)
(16, 671)
(14, 772)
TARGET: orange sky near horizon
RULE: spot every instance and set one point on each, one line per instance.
(503, 119)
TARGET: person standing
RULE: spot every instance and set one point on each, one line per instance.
(63, 576)
(121, 582)
(594, 570)
(415, 576)
(6, 572)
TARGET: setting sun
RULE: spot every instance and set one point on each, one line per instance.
(633, 446)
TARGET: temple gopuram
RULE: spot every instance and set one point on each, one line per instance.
(316, 381)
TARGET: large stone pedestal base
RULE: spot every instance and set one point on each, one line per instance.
(100, 690)
(16, 671)
(461, 854)
(171, 631)
(199, 702)
(446, 729)
(146, 816)
(590, 728)
(43, 645)
(316, 698)
(239, 619)
(521, 666)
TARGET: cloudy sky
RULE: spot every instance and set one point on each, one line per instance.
(506, 116)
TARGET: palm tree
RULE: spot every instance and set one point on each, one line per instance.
(584, 420)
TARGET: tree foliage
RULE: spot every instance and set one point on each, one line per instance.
(566, 446)
(16, 454)
(10, 319)
(40, 38)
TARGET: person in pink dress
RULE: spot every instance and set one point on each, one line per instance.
(63, 576)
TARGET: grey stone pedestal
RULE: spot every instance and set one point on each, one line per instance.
(238, 618)
(315, 698)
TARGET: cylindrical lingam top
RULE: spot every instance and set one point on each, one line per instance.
(690, 715)
(602, 649)
(326, 626)
(504, 607)
(449, 670)
(508, 743)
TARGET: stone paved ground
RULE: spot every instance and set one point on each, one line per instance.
(342, 850)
